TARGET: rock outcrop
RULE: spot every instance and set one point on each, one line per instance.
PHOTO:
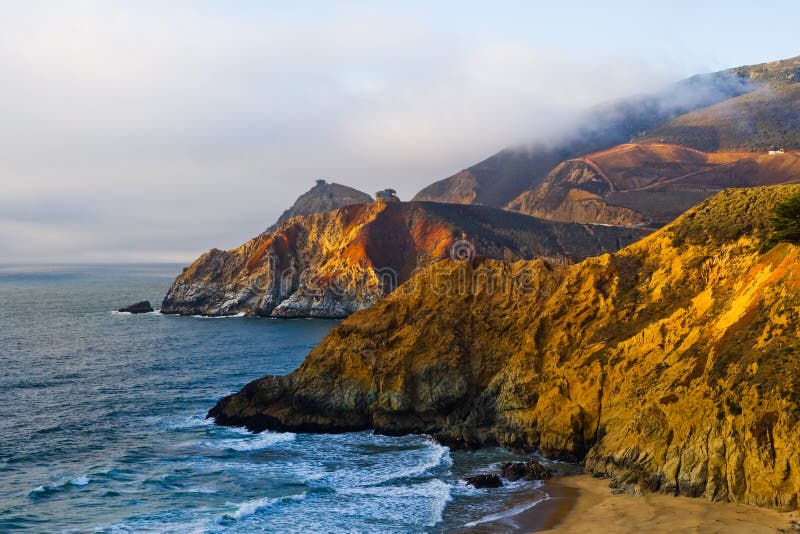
(332, 264)
(140, 307)
(319, 199)
(530, 470)
(490, 480)
(670, 365)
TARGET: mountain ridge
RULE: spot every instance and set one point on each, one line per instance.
(697, 112)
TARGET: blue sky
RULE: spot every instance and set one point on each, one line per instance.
(154, 130)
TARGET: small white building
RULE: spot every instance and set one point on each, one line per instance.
(776, 152)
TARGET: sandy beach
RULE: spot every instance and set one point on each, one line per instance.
(585, 504)
(580, 503)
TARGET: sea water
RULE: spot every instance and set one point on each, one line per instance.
(103, 425)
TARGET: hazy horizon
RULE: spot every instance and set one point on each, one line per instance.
(150, 132)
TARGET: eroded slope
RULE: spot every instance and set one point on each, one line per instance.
(671, 365)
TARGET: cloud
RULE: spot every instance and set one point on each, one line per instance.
(150, 130)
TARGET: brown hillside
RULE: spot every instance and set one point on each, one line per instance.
(648, 184)
(501, 178)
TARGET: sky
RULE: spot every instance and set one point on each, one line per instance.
(146, 131)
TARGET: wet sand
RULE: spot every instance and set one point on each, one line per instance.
(584, 504)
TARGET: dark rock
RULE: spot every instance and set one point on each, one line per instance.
(140, 307)
(530, 470)
(484, 481)
(459, 441)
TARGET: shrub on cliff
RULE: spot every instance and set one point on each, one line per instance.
(785, 222)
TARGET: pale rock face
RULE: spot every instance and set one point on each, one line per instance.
(668, 366)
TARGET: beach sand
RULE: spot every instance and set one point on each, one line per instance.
(583, 504)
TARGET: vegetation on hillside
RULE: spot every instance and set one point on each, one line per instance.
(785, 222)
(762, 120)
(730, 215)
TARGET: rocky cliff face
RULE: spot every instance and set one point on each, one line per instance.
(332, 264)
(319, 199)
(670, 365)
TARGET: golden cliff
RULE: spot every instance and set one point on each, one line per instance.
(670, 365)
(334, 263)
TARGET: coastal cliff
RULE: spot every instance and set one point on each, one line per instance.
(669, 366)
(334, 263)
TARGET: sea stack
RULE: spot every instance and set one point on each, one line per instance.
(140, 307)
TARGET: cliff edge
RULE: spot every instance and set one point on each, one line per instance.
(670, 365)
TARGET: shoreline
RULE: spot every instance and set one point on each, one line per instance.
(581, 503)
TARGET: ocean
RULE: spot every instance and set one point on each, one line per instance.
(103, 425)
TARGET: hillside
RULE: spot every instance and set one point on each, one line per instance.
(334, 263)
(758, 121)
(504, 176)
(669, 365)
(321, 198)
(648, 184)
(747, 109)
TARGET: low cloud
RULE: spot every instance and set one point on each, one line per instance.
(135, 131)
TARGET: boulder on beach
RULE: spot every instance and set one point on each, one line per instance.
(530, 470)
(140, 307)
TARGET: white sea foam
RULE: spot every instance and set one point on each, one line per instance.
(249, 508)
(436, 492)
(241, 314)
(159, 526)
(417, 461)
(440, 504)
(438, 456)
(251, 442)
(200, 490)
(198, 420)
(82, 480)
(511, 512)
